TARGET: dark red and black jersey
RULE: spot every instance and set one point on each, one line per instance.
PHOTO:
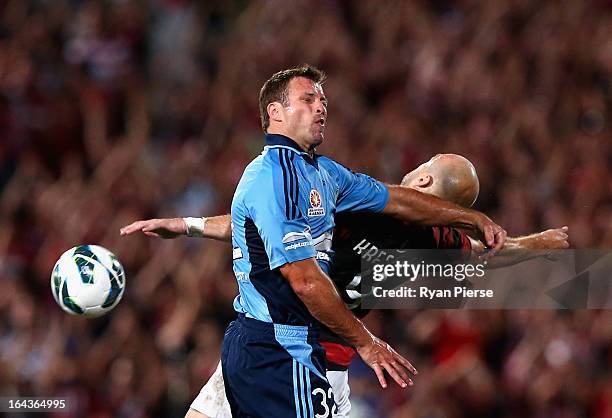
(359, 233)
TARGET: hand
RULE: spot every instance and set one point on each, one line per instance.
(379, 355)
(161, 228)
(493, 235)
(554, 239)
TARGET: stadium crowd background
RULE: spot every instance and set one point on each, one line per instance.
(121, 110)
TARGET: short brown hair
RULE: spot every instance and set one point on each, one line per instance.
(275, 89)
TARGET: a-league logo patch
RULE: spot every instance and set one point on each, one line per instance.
(315, 199)
(315, 202)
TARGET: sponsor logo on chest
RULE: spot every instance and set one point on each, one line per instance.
(316, 208)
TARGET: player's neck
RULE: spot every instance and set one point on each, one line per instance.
(303, 147)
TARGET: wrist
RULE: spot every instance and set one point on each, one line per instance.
(529, 242)
(473, 219)
(194, 227)
(365, 339)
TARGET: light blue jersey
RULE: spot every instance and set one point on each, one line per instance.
(283, 211)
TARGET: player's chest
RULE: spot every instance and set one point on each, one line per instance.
(318, 193)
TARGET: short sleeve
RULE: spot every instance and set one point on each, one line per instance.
(451, 238)
(358, 192)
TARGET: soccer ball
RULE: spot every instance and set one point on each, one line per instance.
(87, 280)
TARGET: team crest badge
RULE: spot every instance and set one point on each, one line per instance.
(315, 203)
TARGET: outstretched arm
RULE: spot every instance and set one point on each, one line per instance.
(517, 250)
(214, 227)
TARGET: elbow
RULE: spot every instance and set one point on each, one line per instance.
(304, 287)
(305, 278)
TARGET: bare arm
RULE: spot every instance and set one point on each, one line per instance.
(319, 295)
(517, 250)
(415, 207)
(218, 228)
(316, 290)
(215, 227)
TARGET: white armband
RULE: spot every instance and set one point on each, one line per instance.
(195, 226)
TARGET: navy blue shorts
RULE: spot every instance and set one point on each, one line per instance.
(262, 378)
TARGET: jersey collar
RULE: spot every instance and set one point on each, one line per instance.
(277, 139)
(285, 141)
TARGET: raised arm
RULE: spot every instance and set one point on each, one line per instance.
(415, 207)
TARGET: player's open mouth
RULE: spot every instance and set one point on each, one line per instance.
(320, 121)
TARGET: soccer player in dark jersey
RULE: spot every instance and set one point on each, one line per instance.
(448, 176)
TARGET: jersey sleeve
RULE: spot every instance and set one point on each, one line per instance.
(279, 221)
(451, 238)
(357, 191)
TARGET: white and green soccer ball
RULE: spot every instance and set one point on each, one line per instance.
(87, 280)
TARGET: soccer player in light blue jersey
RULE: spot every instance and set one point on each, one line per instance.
(282, 216)
(282, 219)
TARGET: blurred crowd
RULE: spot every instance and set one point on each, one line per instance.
(113, 111)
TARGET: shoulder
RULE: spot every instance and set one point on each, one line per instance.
(278, 160)
(269, 177)
(334, 168)
(255, 175)
(268, 163)
(331, 164)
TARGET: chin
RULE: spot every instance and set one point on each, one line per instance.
(316, 142)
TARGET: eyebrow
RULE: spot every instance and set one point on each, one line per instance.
(311, 94)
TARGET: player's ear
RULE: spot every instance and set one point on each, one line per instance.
(275, 111)
(424, 180)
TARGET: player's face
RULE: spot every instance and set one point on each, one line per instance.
(306, 114)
